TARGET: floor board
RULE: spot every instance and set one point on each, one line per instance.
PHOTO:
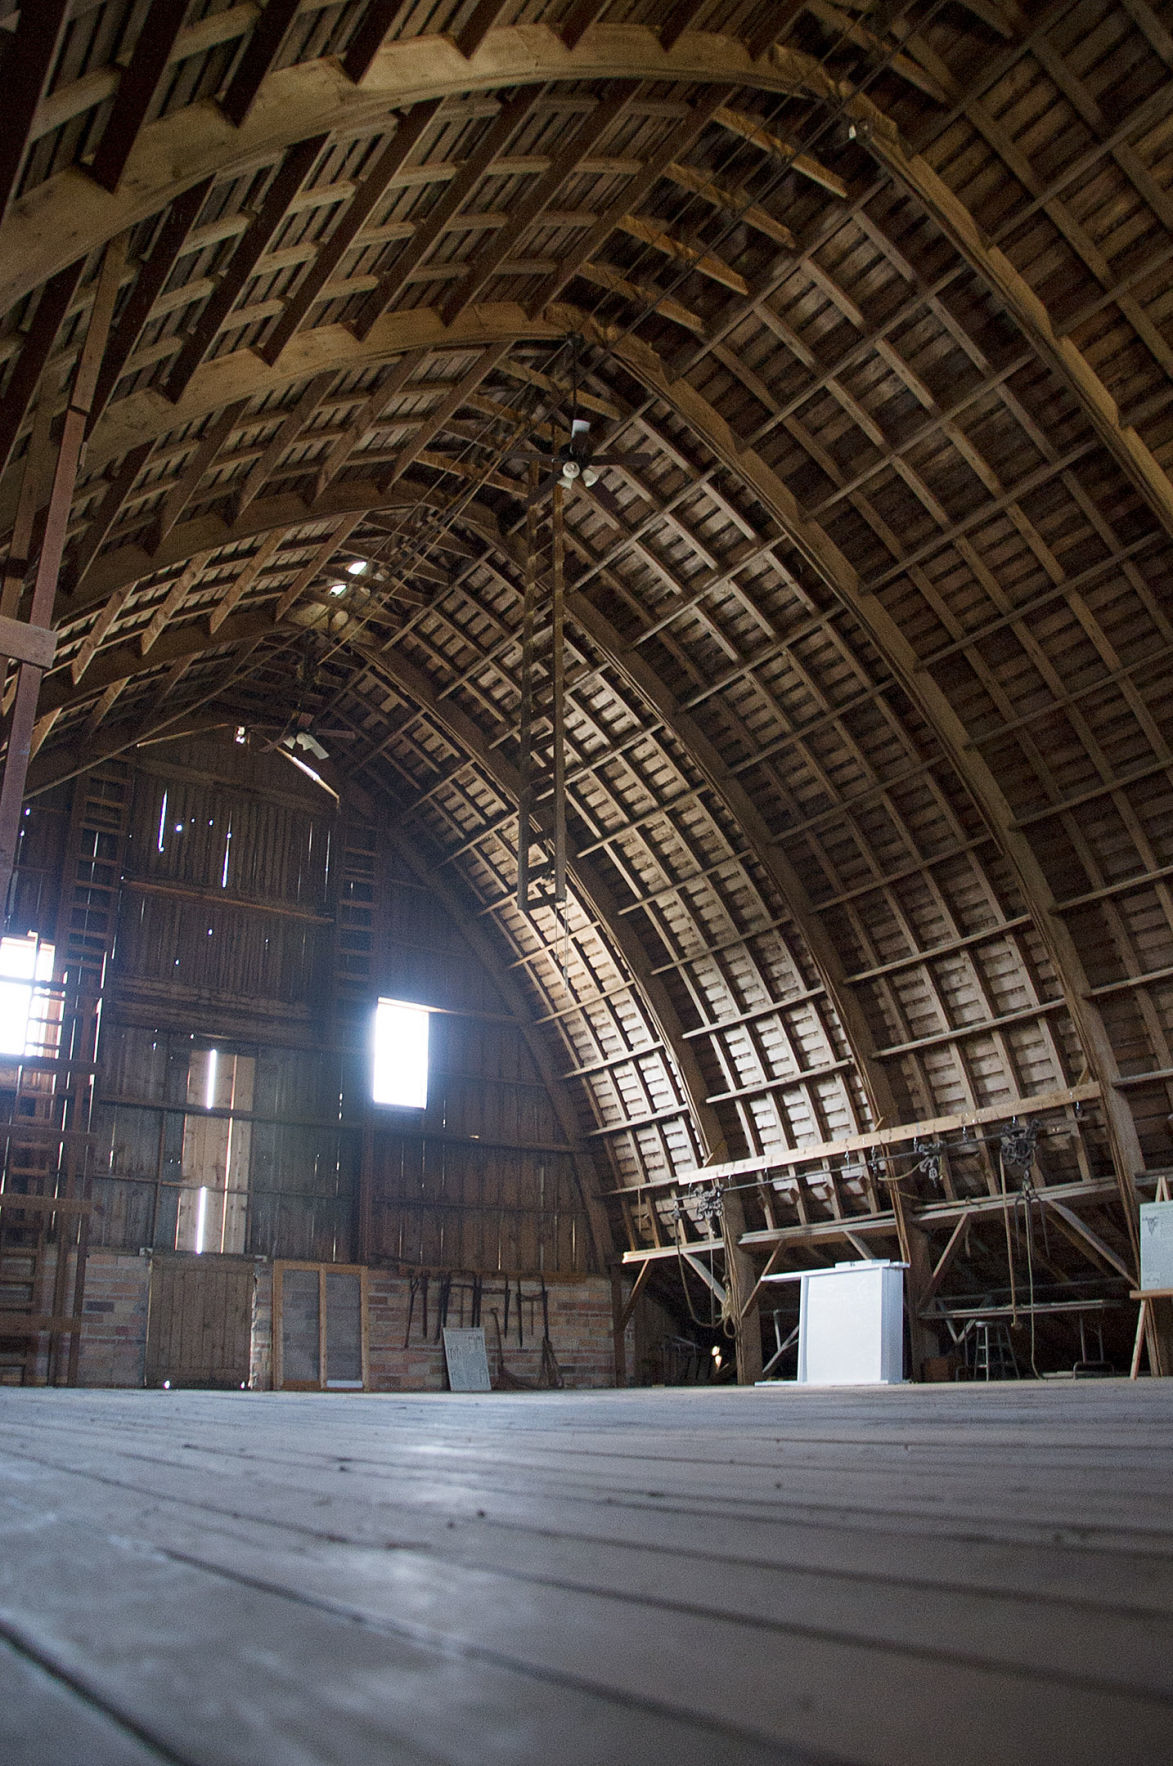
(894, 1577)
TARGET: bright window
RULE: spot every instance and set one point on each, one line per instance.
(400, 1064)
(23, 963)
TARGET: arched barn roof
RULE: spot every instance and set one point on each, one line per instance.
(867, 643)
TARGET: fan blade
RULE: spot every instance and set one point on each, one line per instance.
(580, 435)
(623, 460)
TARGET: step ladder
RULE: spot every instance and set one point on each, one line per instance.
(993, 1352)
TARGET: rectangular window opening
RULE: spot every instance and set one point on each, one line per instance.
(400, 1055)
(29, 1013)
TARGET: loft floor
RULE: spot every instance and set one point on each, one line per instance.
(910, 1576)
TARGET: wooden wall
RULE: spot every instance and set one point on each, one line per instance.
(259, 916)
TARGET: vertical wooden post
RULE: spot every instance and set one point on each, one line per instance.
(525, 758)
(28, 687)
(558, 710)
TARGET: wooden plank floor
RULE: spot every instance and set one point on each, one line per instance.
(906, 1577)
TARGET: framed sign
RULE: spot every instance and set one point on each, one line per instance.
(1156, 1245)
(468, 1362)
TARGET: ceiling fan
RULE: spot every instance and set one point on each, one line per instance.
(573, 464)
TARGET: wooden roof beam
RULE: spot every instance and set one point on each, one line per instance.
(368, 36)
(739, 122)
(137, 85)
(288, 178)
(154, 272)
(260, 52)
(583, 141)
(370, 191)
(694, 257)
(447, 206)
(730, 203)
(28, 67)
(678, 140)
(21, 390)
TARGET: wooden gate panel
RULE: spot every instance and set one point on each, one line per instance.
(199, 1325)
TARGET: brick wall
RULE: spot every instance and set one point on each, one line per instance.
(114, 1330)
(113, 1345)
(580, 1333)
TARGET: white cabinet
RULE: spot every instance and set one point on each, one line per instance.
(850, 1324)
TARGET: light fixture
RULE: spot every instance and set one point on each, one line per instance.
(570, 470)
(339, 588)
(589, 476)
(357, 566)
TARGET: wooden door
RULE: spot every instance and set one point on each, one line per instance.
(199, 1323)
(319, 1327)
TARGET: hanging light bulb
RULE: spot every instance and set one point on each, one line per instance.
(570, 470)
(589, 476)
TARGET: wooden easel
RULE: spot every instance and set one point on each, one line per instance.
(1145, 1328)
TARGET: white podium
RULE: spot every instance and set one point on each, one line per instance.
(850, 1324)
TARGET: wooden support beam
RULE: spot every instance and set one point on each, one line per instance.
(291, 427)
(137, 86)
(739, 122)
(580, 143)
(1085, 1237)
(681, 17)
(24, 712)
(258, 56)
(201, 461)
(944, 1262)
(25, 377)
(27, 70)
(775, 19)
(578, 21)
(149, 284)
(446, 206)
(102, 522)
(368, 37)
(371, 189)
(677, 141)
(283, 187)
(480, 22)
(22, 642)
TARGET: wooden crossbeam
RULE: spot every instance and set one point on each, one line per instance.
(170, 605)
(680, 18)
(199, 463)
(371, 189)
(431, 426)
(137, 86)
(51, 309)
(730, 203)
(152, 278)
(480, 22)
(682, 252)
(260, 52)
(102, 522)
(490, 259)
(283, 187)
(496, 138)
(776, 18)
(738, 122)
(579, 20)
(677, 140)
(27, 70)
(288, 431)
(368, 36)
